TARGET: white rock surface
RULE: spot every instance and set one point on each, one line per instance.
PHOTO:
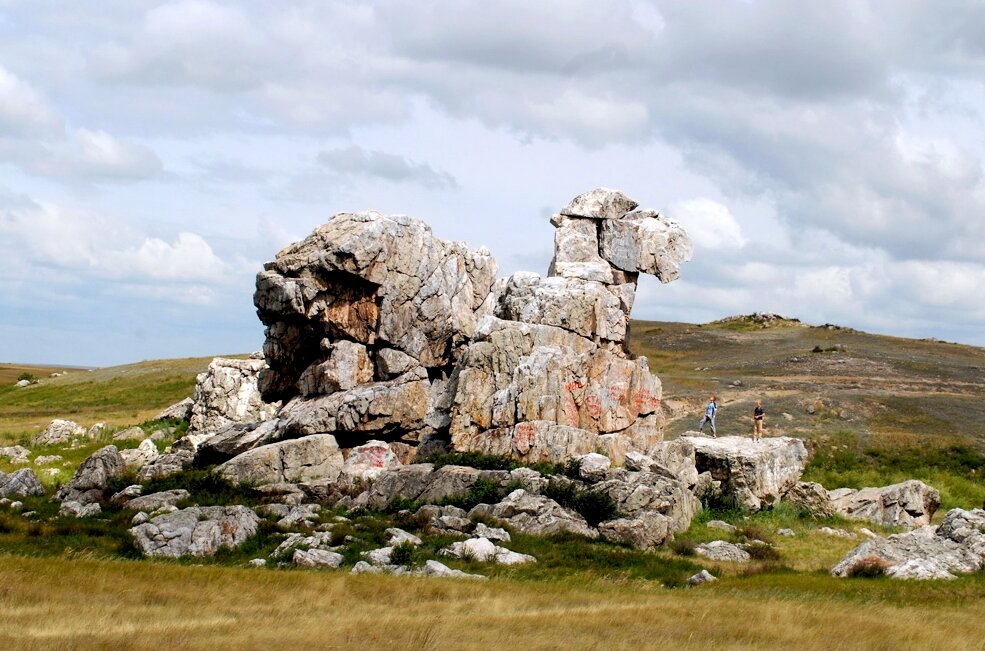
(296, 460)
(196, 531)
(227, 393)
(909, 504)
(140, 456)
(59, 431)
(317, 558)
(536, 514)
(720, 550)
(957, 546)
(20, 483)
(756, 473)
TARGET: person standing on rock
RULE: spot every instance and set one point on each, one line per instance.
(758, 414)
(709, 416)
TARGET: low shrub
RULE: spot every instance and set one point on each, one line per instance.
(683, 546)
(594, 506)
(869, 567)
(402, 554)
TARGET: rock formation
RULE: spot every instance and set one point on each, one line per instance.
(377, 330)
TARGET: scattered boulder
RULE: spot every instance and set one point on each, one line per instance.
(141, 455)
(642, 532)
(20, 483)
(720, 550)
(593, 466)
(704, 576)
(45, 459)
(397, 536)
(155, 501)
(957, 546)
(812, 498)
(181, 410)
(434, 568)
(721, 526)
(59, 432)
(227, 393)
(838, 533)
(483, 550)
(165, 465)
(367, 461)
(755, 473)
(91, 477)
(313, 457)
(908, 504)
(636, 494)
(17, 454)
(196, 531)
(492, 533)
(75, 509)
(536, 515)
(317, 558)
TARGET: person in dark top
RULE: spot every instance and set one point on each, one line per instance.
(758, 414)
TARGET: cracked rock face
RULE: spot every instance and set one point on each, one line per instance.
(227, 393)
(908, 504)
(196, 531)
(296, 460)
(377, 330)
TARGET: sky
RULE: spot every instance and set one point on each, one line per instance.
(826, 158)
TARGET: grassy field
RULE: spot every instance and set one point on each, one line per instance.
(883, 410)
(80, 603)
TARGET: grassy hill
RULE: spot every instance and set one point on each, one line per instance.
(874, 409)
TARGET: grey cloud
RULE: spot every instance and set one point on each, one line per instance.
(358, 162)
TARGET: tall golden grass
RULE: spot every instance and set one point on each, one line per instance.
(98, 604)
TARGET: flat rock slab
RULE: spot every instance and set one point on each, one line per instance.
(296, 460)
(196, 531)
(756, 473)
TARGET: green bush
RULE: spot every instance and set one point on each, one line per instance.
(594, 506)
(27, 376)
(402, 554)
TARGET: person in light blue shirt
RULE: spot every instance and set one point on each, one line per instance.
(709, 416)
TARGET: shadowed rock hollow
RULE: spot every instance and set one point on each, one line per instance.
(376, 329)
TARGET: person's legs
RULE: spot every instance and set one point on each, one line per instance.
(714, 432)
(701, 425)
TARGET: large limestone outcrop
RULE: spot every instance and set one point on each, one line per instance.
(908, 504)
(377, 330)
(755, 473)
(957, 546)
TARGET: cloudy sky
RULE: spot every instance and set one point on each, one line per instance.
(826, 157)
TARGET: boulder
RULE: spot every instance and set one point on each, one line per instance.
(812, 498)
(908, 504)
(536, 515)
(45, 459)
(317, 558)
(720, 550)
(74, 509)
(196, 531)
(296, 460)
(645, 241)
(227, 393)
(677, 458)
(434, 568)
(140, 456)
(165, 465)
(957, 546)
(600, 203)
(492, 533)
(20, 483)
(92, 476)
(483, 550)
(59, 431)
(406, 482)
(704, 576)
(181, 410)
(593, 467)
(17, 454)
(636, 494)
(642, 532)
(154, 501)
(397, 536)
(755, 473)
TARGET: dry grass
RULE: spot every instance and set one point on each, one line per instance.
(91, 604)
